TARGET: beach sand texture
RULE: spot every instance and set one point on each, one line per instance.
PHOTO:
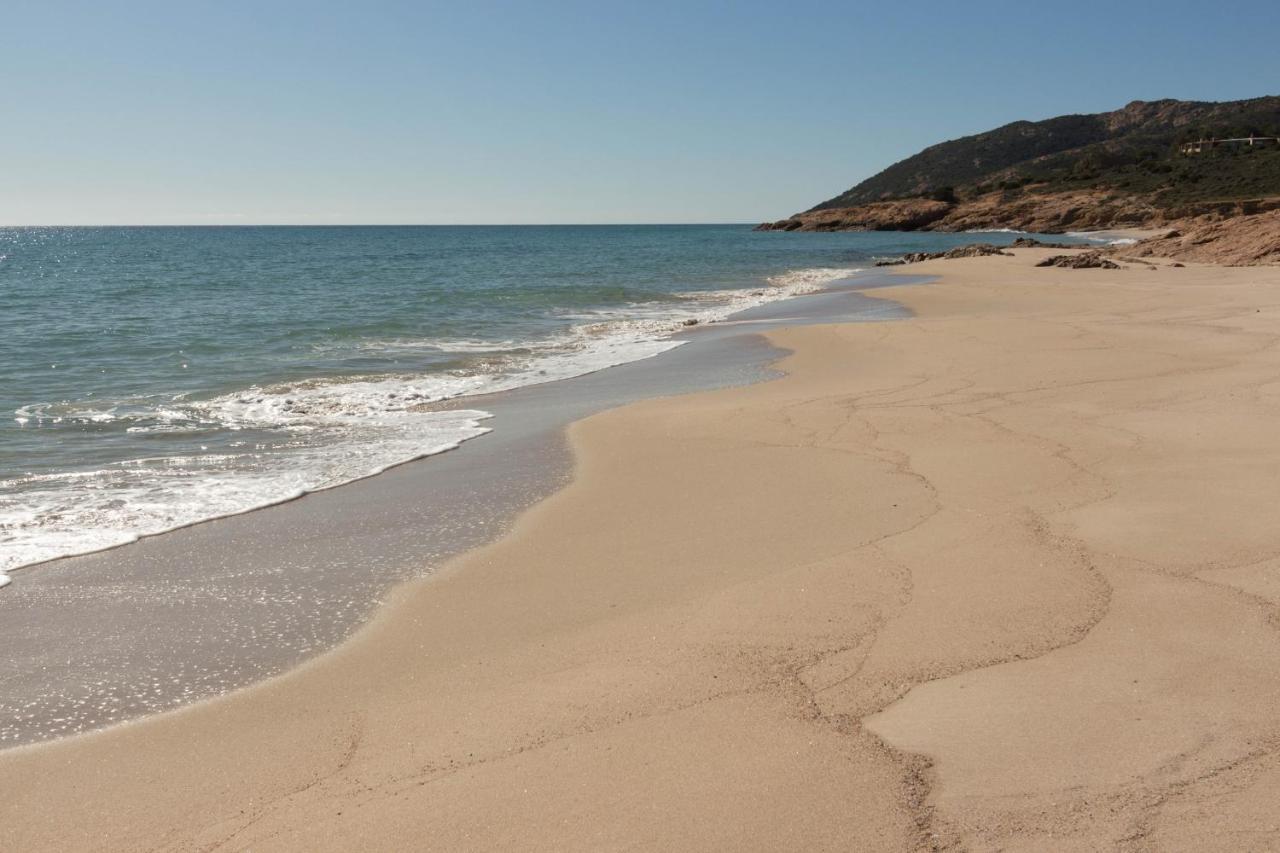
(1001, 576)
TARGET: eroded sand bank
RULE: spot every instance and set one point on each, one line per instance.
(1001, 575)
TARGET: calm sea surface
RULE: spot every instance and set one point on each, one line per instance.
(154, 377)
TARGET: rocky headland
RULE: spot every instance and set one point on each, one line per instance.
(1042, 213)
(1209, 171)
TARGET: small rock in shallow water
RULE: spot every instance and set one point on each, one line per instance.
(690, 322)
(1033, 243)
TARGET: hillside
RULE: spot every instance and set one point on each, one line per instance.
(1120, 167)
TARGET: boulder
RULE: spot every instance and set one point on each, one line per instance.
(973, 250)
(1083, 261)
(1033, 243)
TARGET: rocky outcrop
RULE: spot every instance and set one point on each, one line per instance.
(1094, 260)
(915, 214)
(1232, 232)
(1046, 213)
(973, 250)
(1052, 213)
(1216, 210)
(1033, 243)
(1216, 238)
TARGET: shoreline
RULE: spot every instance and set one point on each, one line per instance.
(942, 582)
(1118, 237)
(626, 340)
(230, 601)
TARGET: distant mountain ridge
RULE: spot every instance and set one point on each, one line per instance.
(1134, 149)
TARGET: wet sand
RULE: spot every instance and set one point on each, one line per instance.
(1002, 575)
(194, 613)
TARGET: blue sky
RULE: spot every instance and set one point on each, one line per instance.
(388, 112)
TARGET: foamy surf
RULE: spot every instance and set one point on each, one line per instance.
(43, 517)
(1106, 238)
(268, 444)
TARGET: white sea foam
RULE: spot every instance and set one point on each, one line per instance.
(1093, 237)
(312, 435)
(43, 516)
(1106, 238)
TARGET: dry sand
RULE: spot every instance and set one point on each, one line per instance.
(1002, 576)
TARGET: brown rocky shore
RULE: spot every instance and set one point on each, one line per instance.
(1045, 213)
(1229, 233)
(1237, 241)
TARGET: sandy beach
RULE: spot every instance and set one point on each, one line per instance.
(1004, 575)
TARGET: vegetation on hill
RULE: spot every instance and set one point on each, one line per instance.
(1135, 150)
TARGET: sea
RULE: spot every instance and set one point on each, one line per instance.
(152, 378)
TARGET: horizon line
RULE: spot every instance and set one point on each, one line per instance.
(368, 224)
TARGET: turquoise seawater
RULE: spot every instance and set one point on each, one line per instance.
(154, 377)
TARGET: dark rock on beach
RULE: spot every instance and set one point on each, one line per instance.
(973, 250)
(1033, 243)
(1083, 261)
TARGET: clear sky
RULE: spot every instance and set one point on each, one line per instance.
(476, 112)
